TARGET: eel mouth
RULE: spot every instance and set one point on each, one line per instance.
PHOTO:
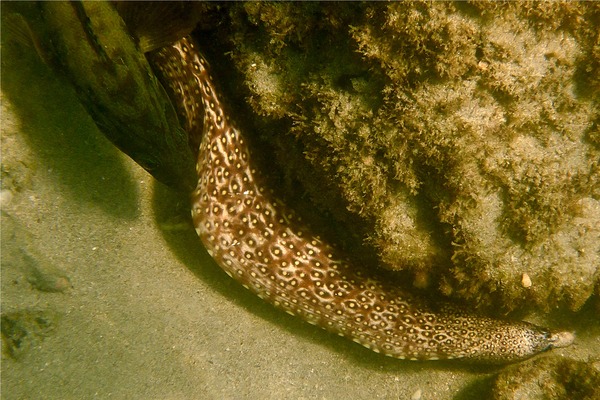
(561, 339)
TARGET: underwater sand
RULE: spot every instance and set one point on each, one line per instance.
(149, 314)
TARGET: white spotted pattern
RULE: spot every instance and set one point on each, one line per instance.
(265, 246)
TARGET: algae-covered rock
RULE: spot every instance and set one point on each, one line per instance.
(460, 140)
(548, 378)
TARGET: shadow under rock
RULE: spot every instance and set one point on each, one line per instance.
(65, 140)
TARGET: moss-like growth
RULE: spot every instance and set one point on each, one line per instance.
(463, 137)
(548, 378)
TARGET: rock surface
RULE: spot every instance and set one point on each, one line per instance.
(459, 140)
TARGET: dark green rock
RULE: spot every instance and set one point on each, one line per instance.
(89, 44)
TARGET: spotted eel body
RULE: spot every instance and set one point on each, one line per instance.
(267, 247)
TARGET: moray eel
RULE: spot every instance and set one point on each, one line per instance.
(270, 250)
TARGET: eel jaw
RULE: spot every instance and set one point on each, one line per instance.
(561, 339)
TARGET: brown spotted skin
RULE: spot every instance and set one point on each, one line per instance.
(265, 246)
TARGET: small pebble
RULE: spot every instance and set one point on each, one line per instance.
(526, 281)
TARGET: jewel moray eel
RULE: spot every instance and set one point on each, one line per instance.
(266, 246)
